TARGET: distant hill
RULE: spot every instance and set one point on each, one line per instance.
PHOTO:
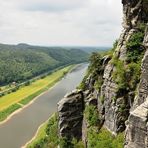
(21, 62)
(89, 49)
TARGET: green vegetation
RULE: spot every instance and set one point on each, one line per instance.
(32, 96)
(119, 75)
(111, 51)
(127, 73)
(13, 101)
(19, 63)
(102, 99)
(65, 143)
(48, 137)
(92, 115)
(126, 76)
(95, 68)
(104, 139)
(95, 63)
(135, 50)
(82, 85)
(6, 112)
(29, 98)
(133, 73)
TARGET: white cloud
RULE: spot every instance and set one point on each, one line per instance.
(60, 22)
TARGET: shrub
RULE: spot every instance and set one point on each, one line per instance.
(119, 74)
(98, 83)
(95, 63)
(92, 115)
(135, 50)
(82, 84)
(27, 83)
(65, 143)
(2, 94)
(52, 130)
(104, 139)
(133, 74)
(77, 144)
(15, 89)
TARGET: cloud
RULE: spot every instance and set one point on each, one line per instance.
(51, 5)
(60, 22)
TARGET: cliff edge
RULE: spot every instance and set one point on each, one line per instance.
(114, 92)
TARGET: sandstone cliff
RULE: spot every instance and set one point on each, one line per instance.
(115, 85)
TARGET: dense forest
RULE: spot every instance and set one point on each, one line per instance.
(21, 62)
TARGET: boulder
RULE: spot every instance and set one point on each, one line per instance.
(70, 112)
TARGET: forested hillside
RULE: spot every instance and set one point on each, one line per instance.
(21, 62)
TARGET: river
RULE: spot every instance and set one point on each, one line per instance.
(22, 126)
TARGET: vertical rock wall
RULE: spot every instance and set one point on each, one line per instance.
(135, 13)
(109, 100)
(70, 111)
(137, 125)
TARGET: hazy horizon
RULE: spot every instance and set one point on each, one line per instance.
(66, 46)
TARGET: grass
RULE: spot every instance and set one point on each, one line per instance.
(31, 91)
(15, 100)
(104, 139)
(6, 112)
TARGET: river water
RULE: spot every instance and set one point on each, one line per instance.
(22, 126)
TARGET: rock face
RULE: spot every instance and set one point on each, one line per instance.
(114, 105)
(137, 127)
(137, 124)
(70, 110)
(135, 13)
(143, 87)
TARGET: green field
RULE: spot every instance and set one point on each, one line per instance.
(35, 87)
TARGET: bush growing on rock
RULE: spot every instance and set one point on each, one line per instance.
(91, 115)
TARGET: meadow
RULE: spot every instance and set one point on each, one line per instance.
(13, 101)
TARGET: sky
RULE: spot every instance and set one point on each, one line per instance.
(60, 22)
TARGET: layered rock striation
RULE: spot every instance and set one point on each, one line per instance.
(70, 110)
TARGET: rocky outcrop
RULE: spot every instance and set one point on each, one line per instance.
(114, 104)
(70, 112)
(137, 127)
(137, 124)
(135, 13)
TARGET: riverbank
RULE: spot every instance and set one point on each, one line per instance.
(17, 101)
(40, 134)
(47, 136)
